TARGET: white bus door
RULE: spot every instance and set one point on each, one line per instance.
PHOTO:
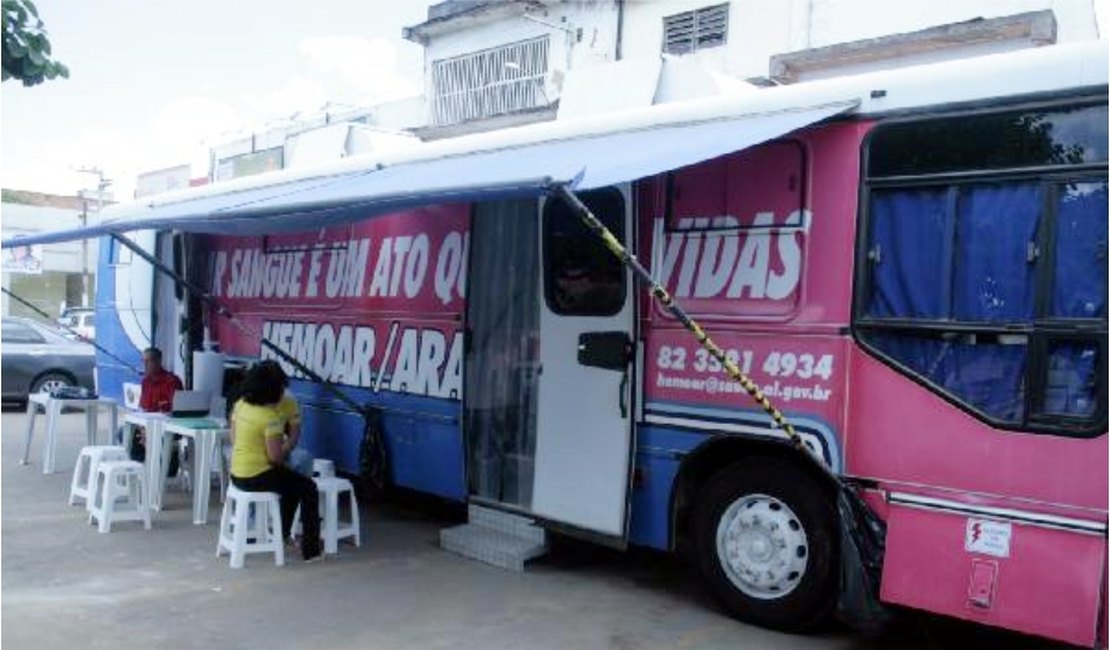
(584, 408)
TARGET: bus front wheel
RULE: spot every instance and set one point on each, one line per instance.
(766, 544)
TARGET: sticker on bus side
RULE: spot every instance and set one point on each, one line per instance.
(988, 537)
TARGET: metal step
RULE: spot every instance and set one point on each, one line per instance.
(494, 537)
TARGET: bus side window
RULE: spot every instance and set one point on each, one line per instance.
(993, 290)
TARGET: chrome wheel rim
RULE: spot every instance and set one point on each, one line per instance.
(762, 546)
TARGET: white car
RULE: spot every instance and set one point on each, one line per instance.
(79, 324)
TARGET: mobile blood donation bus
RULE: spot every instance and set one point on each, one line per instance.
(910, 265)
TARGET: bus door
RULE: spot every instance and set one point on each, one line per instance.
(584, 427)
(547, 398)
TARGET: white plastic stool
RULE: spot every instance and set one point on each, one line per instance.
(323, 468)
(83, 485)
(235, 530)
(114, 480)
(331, 529)
(330, 489)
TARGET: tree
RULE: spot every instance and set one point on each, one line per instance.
(26, 55)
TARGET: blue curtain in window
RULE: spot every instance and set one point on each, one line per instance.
(927, 357)
(1070, 386)
(911, 234)
(988, 376)
(994, 278)
(1079, 289)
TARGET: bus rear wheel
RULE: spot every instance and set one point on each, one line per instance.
(766, 544)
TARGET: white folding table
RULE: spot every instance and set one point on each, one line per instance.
(206, 434)
(53, 409)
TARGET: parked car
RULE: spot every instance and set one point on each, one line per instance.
(78, 323)
(38, 358)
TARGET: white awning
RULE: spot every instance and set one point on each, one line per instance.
(585, 154)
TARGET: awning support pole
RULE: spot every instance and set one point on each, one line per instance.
(213, 303)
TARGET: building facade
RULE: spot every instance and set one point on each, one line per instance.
(53, 276)
(490, 65)
(494, 64)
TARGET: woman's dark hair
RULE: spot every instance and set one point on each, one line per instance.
(264, 384)
(276, 371)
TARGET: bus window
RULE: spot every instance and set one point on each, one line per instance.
(1081, 245)
(910, 231)
(734, 234)
(1072, 381)
(581, 276)
(986, 372)
(1000, 140)
(945, 254)
(991, 288)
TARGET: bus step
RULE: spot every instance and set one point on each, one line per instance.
(494, 537)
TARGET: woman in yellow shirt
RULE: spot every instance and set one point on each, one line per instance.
(258, 453)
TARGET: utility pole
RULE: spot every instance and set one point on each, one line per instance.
(102, 183)
(84, 255)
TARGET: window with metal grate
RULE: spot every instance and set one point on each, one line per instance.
(496, 81)
(691, 31)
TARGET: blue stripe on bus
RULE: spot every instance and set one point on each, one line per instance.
(423, 436)
(659, 454)
(704, 417)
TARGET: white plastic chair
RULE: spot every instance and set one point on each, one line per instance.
(330, 488)
(83, 484)
(120, 494)
(236, 529)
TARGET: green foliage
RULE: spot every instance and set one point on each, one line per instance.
(26, 55)
(15, 196)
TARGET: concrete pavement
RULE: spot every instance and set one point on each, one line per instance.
(66, 586)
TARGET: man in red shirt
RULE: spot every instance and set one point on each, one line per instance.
(159, 384)
(158, 388)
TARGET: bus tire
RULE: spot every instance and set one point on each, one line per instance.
(765, 543)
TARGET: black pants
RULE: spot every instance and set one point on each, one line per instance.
(295, 490)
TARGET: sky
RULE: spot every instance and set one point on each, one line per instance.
(154, 82)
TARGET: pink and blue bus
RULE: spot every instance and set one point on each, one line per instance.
(912, 265)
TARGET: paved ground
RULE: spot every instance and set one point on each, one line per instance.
(66, 586)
